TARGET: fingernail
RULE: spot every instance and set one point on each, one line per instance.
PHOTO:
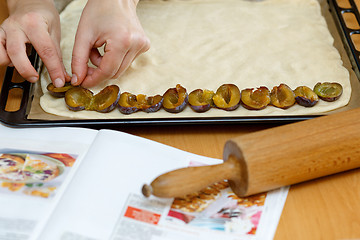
(58, 82)
(74, 79)
(33, 79)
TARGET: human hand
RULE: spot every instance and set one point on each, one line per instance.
(36, 22)
(112, 23)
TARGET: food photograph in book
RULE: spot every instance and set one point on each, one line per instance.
(218, 208)
(35, 174)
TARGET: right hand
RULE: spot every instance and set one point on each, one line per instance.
(114, 25)
(36, 22)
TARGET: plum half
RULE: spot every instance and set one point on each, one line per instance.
(282, 96)
(130, 103)
(305, 96)
(150, 104)
(59, 92)
(79, 98)
(175, 99)
(255, 99)
(201, 100)
(227, 97)
(107, 99)
(328, 91)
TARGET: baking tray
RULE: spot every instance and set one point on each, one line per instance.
(19, 118)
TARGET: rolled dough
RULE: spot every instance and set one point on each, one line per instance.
(205, 43)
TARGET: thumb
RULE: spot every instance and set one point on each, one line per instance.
(80, 58)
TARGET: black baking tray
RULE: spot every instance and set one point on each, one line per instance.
(19, 118)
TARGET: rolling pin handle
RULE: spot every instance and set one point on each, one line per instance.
(146, 190)
(181, 182)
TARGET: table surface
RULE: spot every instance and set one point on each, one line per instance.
(326, 208)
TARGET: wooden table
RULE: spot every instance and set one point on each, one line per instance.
(327, 208)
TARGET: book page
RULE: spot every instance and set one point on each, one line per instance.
(35, 167)
(104, 200)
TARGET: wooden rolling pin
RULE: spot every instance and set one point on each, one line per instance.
(272, 158)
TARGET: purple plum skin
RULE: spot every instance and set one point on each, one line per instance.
(127, 110)
(305, 96)
(201, 100)
(154, 108)
(305, 102)
(200, 108)
(178, 108)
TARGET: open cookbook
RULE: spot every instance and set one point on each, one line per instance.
(77, 183)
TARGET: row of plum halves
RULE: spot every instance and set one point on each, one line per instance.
(227, 97)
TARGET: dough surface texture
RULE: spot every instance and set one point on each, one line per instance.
(206, 43)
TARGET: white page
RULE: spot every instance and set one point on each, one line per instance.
(115, 165)
(22, 212)
(115, 168)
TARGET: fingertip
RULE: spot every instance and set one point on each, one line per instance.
(59, 82)
(33, 79)
(74, 79)
(78, 73)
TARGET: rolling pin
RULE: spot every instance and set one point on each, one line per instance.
(272, 158)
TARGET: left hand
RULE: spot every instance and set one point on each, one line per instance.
(112, 23)
(36, 22)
